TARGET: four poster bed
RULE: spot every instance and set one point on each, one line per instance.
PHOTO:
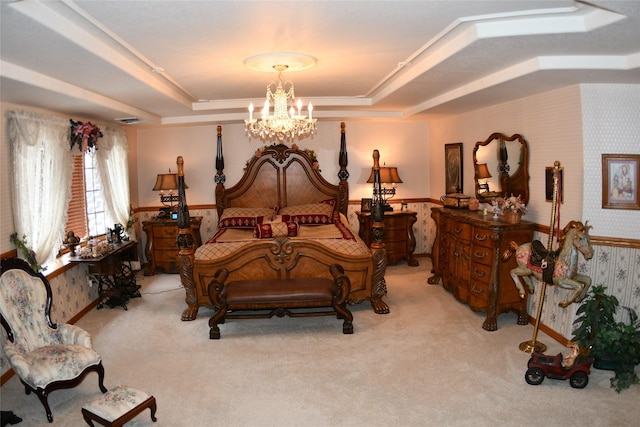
(281, 220)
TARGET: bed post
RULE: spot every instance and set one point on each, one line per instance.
(343, 174)
(219, 178)
(378, 251)
(185, 242)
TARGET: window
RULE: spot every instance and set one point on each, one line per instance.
(86, 216)
(96, 215)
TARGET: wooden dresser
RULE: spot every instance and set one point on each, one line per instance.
(399, 240)
(466, 256)
(161, 249)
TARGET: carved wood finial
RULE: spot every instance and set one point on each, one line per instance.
(180, 163)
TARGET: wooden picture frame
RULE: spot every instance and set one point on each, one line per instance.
(620, 181)
(548, 187)
(365, 205)
(453, 167)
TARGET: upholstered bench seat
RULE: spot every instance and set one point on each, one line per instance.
(312, 292)
(243, 299)
(119, 405)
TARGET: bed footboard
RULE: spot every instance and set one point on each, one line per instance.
(283, 259)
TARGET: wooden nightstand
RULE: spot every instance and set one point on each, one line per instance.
(399, 240)
(161, 249)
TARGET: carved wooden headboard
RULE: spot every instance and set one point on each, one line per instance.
(282, 176)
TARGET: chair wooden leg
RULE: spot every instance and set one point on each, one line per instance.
(44, 399)
(100, 371)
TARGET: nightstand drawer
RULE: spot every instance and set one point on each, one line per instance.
(165, 243)
(165, 231)
(399, 239)
(165, 256)
(162, 247)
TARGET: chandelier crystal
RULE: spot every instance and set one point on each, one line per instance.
(286, 122)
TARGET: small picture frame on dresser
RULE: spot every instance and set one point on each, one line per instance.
(365, 205)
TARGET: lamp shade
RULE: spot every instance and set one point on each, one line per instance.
(167, 181)
(483, 171)
(388, 175)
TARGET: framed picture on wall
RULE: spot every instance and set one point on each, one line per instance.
(453, 167)
(548, 188)
(620, 181)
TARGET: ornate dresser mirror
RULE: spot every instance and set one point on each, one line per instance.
(501, 166)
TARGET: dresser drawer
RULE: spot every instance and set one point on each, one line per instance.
(443, 226)
(482, 236)
(478, 295)
(480, 273)
(461, 230)
(482, 255)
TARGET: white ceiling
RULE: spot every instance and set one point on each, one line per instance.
(182, 61)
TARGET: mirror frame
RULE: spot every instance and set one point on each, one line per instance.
(516, 183)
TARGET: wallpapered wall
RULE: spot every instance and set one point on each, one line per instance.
(617, 268)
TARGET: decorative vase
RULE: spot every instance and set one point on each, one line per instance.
(513, 217)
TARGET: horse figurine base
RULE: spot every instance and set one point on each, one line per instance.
(532, 346)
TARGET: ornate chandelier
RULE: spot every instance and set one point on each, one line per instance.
(286, 122)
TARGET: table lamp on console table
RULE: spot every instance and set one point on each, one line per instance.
(168, 182)
(389, 180)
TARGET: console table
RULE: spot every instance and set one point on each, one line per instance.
(466, 256)
(116, 281)
(162, 249)
(399, 240)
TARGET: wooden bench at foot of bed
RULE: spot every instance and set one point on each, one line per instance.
(266, 298)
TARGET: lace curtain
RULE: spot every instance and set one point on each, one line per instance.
(40, 160)
(111, 157)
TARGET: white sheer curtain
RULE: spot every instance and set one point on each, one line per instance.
(42, 166)
(111, 159)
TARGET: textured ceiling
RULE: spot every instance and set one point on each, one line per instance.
(182, 61)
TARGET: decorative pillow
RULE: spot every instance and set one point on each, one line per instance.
(272, 219)
(243, 217)
(311, 214)
(276, 229)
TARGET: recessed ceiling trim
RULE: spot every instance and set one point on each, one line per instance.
(336, 101)
(326, 114)
(530, 66)
(465, 31)
(48, 17)
(33, 78)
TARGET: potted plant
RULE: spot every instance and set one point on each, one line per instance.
(610, 344)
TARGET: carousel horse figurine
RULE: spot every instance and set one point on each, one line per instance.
(558, 267)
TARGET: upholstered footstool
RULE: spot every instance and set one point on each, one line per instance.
(119, 405)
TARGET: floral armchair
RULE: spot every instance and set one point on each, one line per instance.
(45, 356)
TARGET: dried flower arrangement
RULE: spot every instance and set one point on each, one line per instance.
(85, 135)
(513, 204)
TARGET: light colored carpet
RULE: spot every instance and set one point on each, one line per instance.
(427, 363)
